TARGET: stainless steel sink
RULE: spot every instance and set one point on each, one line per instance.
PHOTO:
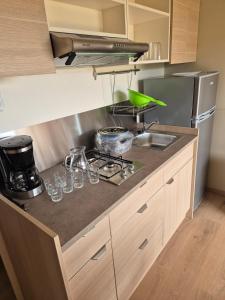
(154, 140)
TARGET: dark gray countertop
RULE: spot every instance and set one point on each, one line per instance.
(81, 209)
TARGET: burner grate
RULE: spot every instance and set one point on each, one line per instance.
(112, 169)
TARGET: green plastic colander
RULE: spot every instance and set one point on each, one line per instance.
(141, 100)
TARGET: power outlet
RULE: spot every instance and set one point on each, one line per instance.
(2, 103)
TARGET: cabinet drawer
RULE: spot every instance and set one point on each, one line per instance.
(130, 206)
(95, 281)
(138, 264)
(144, 222)
(81, 251)
(178, 162)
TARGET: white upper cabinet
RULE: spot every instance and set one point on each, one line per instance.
(92, 17)
(139, 20)
(149, 21)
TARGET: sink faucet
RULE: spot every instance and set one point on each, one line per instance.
(148, 126)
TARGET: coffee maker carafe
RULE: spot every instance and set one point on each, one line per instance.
(19, 177)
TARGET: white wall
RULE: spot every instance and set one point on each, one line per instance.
(35, 99)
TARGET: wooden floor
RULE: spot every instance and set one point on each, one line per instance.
(191, 267)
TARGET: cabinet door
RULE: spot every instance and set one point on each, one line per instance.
(177, 199)
(95, 281)
(184, 31)
(170, 211)
(24, 38)
(183, 199)
(135, 267)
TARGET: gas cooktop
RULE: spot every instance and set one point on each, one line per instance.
(113, 169)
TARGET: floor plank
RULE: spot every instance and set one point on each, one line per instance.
(192, 266)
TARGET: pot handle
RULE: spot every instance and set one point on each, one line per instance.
(123, 141)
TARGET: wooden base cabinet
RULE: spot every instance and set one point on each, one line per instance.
(110, 260)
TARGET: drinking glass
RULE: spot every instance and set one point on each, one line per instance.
(93, 175)
(155, 51)
(56, 193)
(58, 179)
(49, 189)
(68, 181)
(145, 56)
(48, 186)
(78, 178)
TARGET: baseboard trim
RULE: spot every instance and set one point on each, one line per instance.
(216, 191)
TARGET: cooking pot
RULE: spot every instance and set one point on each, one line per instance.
(114, 140)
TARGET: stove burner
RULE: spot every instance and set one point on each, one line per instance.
(110, 169)
(113, 169)
(110, 164)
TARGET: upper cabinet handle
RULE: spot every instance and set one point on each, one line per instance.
(170, 181)
(144, 244)
(100, 253)
(142, 209)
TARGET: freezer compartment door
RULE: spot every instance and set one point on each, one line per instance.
(205, 133)
(178, 93)
(205, 93)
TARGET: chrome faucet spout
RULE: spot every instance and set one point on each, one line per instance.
(148, 126)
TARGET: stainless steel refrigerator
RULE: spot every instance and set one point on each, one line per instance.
(191, 99)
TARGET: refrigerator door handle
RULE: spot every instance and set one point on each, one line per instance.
(205, 117)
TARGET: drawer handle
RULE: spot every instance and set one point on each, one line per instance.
(142, 209)
(170, 181)
(143, 184)
(93, 227)
(100, 253)
(144, 244)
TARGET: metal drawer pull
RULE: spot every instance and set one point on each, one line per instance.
(143, 184)
(84, 235)
(142, 209)
(101, 252)
(170, 181)
(144, 244)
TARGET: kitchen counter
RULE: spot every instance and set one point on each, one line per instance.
(82, 209)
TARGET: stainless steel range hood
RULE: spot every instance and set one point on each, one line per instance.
(85, 50)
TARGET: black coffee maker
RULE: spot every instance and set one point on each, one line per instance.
(19, 178)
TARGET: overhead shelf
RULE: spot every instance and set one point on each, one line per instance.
(94, 4)
(139, 13)
(91, 17)
(86, 32)
(145, 62)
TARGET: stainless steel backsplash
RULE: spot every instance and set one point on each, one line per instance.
(52, 140)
